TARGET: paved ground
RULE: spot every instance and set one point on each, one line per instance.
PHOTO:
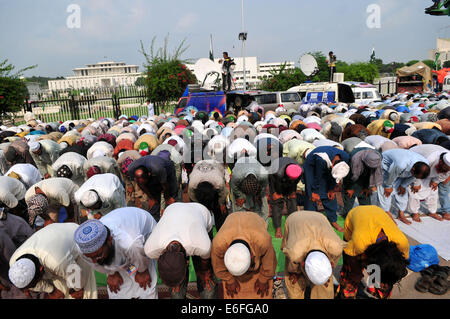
(406, 288)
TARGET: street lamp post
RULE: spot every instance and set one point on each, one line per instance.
(243, 38)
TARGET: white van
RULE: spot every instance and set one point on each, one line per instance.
(446, 84)
(366, 95)
(325, 92)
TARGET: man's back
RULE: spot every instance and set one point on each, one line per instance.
(187, 223)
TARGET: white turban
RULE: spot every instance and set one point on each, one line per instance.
(237, 259)
(22, 273)
(34, 146)
(89, 199)
(447, 159)
(339, 171)
(98, 153)
(318, 268)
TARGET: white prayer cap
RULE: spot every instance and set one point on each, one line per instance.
(447, 159)
(89, 199)
(242, 118)
(64, 145)
(318, 268)
(237, 259)
(339, 171)
(22, 273)
(98, 153)
(34, 146)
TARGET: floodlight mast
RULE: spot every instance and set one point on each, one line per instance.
(243, 37)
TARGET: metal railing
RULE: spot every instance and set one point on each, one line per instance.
(386, 88)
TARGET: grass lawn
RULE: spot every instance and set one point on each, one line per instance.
(101, 278)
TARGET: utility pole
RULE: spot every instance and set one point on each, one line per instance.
(243, 37)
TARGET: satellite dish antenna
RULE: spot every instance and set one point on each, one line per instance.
(308, 65)
(203, 69)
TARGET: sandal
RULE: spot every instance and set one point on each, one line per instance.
(424, 283)
(440, 283)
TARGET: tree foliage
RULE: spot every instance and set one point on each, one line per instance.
(359, 72)
(284, 78)
(412, 62)
(13, 90)
(446, 64)
(429, 63)
(166, 73)
(140, 81)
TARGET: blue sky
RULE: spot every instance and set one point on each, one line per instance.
(35, 31)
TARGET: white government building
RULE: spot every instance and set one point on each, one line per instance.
(442, 47)
(255, 72)
(100, 75)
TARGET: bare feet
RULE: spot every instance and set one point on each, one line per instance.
(446, 216)
(436, 216)
(403, 219)
(337, 227)
(278, 233)
(416, 218)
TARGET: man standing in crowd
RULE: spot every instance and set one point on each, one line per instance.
(150, 108)
(227, 71)
(331, 65)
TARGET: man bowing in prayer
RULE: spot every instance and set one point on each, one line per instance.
(401, 169)
(312, 249)
(101, 194)
(185, 230)
(243, 257)
(155, 175)
(50, 262)
(44, 154)
(324, 168)
(115, 245)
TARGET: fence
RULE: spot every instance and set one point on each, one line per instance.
(386, 87)
(85, 104)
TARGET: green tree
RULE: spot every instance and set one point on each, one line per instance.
(429, 63)
(321, 59)
(412, 62)
(13, 90)
(390, 68)
(140, 81)
(283, 79)
(359, 72)
(446, 64)
(167, 75)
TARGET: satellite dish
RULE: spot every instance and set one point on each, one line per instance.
(203, 66)
(308, 65)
